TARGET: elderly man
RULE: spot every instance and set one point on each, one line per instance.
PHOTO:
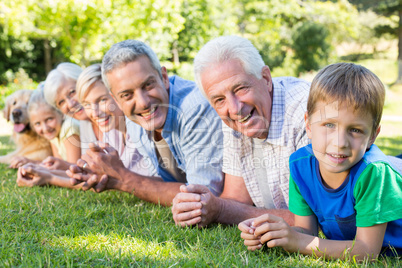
(264, 124)
(168, 121)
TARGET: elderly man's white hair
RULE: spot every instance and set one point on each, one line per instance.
(226, 48)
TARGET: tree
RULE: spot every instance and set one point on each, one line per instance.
(388, 8)
(311, 46)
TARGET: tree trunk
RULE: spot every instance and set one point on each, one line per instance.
(399, 78)
(48, 56)
(175, 52)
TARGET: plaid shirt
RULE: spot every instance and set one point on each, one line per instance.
(286, 134)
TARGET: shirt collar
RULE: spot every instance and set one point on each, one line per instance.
(275, 132)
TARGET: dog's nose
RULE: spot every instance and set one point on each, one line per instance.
(17, 113)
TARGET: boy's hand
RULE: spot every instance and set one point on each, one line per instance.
(274, 231)
(247, 233)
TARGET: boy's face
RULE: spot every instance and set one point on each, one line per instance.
(340, 137)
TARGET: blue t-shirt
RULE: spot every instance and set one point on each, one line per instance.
(193, 133)
(370, 195)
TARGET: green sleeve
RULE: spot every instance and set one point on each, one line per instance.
(297, 204)
(378, 195)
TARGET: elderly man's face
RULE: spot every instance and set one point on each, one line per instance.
(141, 93)
(241, 100)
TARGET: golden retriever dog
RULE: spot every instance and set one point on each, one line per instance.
(28, 143)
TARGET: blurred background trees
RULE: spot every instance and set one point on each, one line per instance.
(293, 36)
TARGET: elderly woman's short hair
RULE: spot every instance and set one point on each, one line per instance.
(37, 100)
(227, 48)
(125, 52)
(64, 71)
(87, 78)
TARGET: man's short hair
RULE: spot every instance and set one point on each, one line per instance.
(125, 52)
(226, 48)
(350, 84)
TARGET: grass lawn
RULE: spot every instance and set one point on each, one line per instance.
(56, 227)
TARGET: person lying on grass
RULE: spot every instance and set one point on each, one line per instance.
(342, 182)
(102, 110)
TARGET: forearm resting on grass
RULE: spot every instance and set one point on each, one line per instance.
(150, 189)
(31, 175)
(275, 232)
(196, 205)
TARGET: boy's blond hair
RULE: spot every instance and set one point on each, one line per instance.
(350, 84)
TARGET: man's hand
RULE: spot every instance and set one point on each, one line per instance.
(195, 204)
(31, 175)
(79, 174)
(103, 159)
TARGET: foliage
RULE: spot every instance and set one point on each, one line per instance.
(311, 46)
(392, 26)
(82, 31)
(16, 81)
(13, 50)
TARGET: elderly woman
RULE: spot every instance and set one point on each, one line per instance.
(102, 110)
(60, 92)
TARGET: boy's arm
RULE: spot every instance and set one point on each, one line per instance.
(367, 244)
(255, 231)
(275, 232)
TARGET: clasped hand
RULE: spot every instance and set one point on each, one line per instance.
(194, 205)
(95, 167)
(269, 229)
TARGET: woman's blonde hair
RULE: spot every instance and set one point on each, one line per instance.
(87, 78)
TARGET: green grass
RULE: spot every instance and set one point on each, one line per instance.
(56, 227)
(390, 138)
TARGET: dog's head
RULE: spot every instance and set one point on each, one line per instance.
(15, 110)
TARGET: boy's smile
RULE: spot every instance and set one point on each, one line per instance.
(340, 137)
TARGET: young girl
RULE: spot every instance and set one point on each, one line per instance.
(62, 132)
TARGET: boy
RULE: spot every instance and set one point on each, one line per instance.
(342, 182)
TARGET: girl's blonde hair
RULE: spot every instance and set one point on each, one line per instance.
(37, 100)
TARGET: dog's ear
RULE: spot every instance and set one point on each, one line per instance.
(6, 110)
